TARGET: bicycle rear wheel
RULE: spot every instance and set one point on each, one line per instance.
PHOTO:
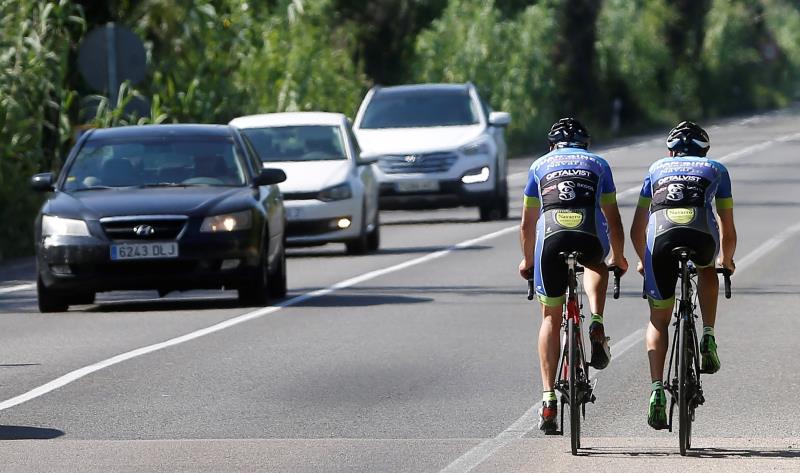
(574, 392)
(685, 364)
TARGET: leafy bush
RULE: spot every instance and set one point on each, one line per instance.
(35, 39)
(508, 59)
(236, 59)
(740, 73)
(634, 60)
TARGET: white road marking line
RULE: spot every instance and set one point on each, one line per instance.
(87, 370)
(628, 342)
(766, 247)
(730, 157)
(529, 420)
(17, 288)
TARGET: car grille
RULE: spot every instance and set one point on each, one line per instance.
(144, 268)
(300, 195)
(417, 163)
(144, 228)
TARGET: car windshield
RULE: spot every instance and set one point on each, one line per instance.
(297, 143)
(154, 162)
(420, 108)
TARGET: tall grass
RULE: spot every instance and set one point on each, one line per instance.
(35, 40)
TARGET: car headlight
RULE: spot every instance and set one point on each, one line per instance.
(340, 192)
(57, 226)
(227, 222)
(475, 176)
(475, 148)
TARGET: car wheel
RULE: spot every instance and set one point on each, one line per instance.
(502, 204)
(374, 238)
(50, 300)
(360, 244)
(497, 207)
(277, 280)
(256, 291)
(84, 298)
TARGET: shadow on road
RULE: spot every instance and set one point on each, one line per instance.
(361, 300)
(459, 290)
(328, 253)
(19, 432)
(152, 305)
(430, 221)
(743, 453)
(719, 453)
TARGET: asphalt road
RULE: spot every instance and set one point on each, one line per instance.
(421, 357)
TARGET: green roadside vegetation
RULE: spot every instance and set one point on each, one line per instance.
(649, 62)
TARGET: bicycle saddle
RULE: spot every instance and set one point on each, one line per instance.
(679, 251)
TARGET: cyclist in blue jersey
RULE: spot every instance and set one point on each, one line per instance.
(675, 210)
(569, 205)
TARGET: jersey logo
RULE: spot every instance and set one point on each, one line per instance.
(675, 192)
(566, 190)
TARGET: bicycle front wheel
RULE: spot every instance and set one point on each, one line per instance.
(685, 364)
(575, 359)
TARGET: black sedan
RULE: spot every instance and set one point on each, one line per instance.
(164, 207)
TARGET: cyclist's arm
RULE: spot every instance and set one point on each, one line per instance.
(608, 204)
(727, 238)
(527, 234)
(724, 204)
(616, 233)
(639, 230)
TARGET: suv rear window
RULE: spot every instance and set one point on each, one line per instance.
(420, 108)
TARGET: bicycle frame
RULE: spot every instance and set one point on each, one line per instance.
(684, 329)
(572, 377)
(684, 387)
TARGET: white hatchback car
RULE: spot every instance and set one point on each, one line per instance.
(438, 145)
(330, 192)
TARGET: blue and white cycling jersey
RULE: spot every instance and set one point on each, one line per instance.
(568, 185)
(569, 178)
(686, 181)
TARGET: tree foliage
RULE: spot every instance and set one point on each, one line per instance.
(35, 41)
(508, 59)
(212, 60)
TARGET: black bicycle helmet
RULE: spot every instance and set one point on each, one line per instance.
(568, 132)
(687, 138)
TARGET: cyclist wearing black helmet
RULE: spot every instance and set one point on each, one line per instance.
(569, 205)
(675, 210)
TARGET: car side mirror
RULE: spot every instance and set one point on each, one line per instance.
(269, 176)
(42, 182)
(499, 119)
(365, 160)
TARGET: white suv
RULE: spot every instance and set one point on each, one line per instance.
(437, 145)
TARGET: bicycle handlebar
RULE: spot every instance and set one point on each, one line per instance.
(725, 272)
(617, 274)
(612, 269)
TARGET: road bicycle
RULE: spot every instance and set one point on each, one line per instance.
(685, 388)
(573, 381)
